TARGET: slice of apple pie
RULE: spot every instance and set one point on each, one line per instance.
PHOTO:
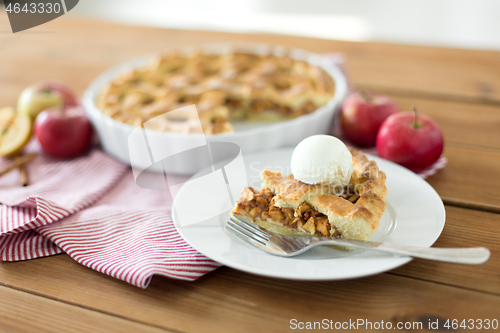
(289, 206)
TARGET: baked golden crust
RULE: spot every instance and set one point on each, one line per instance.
(234, 86)
(289, 192)
(355, 214)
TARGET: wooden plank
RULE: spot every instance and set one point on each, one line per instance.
(472, 146)
(226, 300)
(471, 178)
(24, 312)
(464, 228)
(230, 301)
(77, 50)
(463, 124)
(472, 136)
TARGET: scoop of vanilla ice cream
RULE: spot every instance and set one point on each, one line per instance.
(322, 159)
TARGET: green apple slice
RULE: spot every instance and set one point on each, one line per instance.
(16, 135)
(7, 115)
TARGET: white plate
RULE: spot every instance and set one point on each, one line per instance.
(415, 215)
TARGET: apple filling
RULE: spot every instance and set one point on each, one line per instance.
(259, 206)
(234, 103)
(261, 105)
(258, 106)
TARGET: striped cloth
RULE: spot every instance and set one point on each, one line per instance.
(91, 209)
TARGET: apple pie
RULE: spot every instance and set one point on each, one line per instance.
(288, 206)
(224, 88)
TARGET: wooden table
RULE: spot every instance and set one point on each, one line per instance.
(460, 89)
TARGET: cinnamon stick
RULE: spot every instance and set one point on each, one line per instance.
(23, 175)
(17, 162)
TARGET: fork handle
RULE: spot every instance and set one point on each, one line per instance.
(470, 255)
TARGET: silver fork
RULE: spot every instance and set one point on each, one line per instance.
(288, 246)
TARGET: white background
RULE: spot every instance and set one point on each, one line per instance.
(453, 23)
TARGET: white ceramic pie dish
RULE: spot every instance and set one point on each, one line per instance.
(250, 137)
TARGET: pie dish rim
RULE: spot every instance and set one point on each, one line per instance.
(114, 134)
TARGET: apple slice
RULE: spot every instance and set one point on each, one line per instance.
(7, 115)
(16, 133)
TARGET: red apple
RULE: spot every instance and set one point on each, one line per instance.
(414, 141)
(43, 95)
(362, 114)
(64, 134)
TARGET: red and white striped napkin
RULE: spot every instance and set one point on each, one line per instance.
(91, 209)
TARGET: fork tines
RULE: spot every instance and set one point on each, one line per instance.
(247, 230)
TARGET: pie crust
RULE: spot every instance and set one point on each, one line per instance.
(225, 88)
(354, 212)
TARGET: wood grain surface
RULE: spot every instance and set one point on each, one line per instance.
(460, 89)
(226, 297)
(471, 178)
(464, 227)
(230, 301)
(76, 51)
(24, 312)
(471, 125)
